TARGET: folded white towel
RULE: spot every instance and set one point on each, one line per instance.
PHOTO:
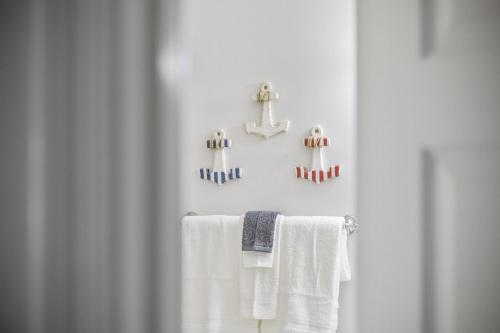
(345, 267)
(259, 280)
(211, 251)
(252, 259)
(313, 262)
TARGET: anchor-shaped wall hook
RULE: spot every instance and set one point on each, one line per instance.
(267, 127)
(317, 174)
(219, 175)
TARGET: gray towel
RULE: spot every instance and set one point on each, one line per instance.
(258, 231)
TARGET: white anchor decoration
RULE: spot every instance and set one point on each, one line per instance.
(267, 126)
(218, 174)
(317, 174)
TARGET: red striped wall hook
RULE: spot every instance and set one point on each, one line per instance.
(317, 173)
(219, 173)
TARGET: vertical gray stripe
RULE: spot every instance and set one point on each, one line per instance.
(134, 145)
(36, 168)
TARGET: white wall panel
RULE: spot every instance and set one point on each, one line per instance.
(307, 50)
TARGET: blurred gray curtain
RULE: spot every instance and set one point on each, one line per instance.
(88, 232)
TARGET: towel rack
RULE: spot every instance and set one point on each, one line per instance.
(350, 224)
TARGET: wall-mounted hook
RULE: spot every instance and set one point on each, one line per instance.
(317, 173)
(267, 126)
(218, 174)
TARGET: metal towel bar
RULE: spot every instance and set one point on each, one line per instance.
(351, 224)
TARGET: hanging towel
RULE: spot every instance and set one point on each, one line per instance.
(211, 250)
(313, 263)
(258, 231)
(266, 232)
(259, 284)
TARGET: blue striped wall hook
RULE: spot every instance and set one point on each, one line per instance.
(219, 174)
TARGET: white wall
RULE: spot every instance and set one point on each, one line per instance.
(307, 50)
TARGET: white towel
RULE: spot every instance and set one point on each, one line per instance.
(313, 262)
(259, 280)
(211, 251)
